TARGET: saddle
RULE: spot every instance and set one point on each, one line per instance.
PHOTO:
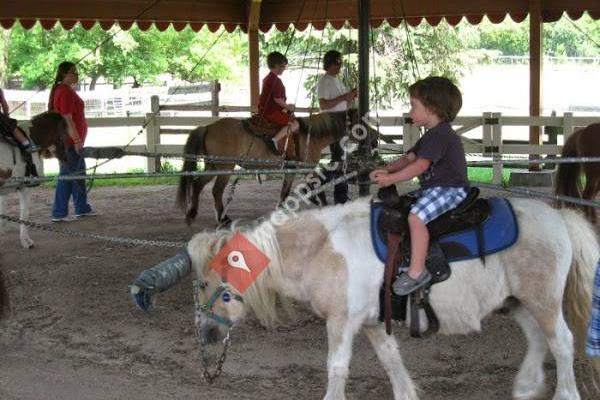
(262, 128)
(392, 227)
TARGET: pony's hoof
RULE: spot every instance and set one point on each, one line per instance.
(190, 217)
(27, 243)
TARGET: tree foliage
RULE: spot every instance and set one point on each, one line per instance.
(399, 56)
(563, 38)
(116, 54)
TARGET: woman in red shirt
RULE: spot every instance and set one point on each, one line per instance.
(271, 104)
(64, 100)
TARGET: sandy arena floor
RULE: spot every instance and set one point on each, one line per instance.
(74, 333)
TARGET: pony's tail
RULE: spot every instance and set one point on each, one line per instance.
(578, 291)
(193, 146)
(567, 175)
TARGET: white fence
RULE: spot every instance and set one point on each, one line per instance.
(486, 132)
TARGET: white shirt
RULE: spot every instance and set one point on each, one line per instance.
(329, 88)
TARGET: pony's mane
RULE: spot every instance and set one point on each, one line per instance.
(323, 124)
(260, 296)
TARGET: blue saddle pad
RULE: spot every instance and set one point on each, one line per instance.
(499, 230)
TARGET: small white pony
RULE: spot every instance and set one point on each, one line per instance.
(48, 131)
(325, 258)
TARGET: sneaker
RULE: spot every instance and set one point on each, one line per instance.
(405, 284)
(68, 218)
(90, 213)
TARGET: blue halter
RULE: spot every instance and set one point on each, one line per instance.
(221, 292)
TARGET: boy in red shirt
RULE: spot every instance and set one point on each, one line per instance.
(271, 104)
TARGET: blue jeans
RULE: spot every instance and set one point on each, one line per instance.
(74, 165)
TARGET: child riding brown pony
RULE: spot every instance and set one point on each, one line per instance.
(583, 143)
(228, 137)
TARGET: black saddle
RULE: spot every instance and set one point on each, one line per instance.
(470, 213)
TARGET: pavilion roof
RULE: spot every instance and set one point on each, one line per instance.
(278, 13)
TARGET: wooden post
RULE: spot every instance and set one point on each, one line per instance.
(497, 147)
(486, 139)
(253, 51)
(567, 126)
(215, 88)
(253, 22)
(153, 134)
(535, 73)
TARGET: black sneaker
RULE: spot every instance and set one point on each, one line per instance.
(405, 284)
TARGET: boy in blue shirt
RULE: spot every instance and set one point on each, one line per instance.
(438, 159)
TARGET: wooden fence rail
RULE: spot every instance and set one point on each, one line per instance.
(485, 131)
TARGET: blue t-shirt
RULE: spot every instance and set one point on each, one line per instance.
(443, 147)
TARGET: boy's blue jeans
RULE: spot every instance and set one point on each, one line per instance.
(74, 165)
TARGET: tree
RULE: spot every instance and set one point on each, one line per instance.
(116, 54)
(399, 55)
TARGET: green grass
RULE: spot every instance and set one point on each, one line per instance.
(484, 175)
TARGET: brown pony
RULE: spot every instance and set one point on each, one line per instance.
(48, 130)
(227, 137)
(582, 143)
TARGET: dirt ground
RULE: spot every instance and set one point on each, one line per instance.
(75, 334)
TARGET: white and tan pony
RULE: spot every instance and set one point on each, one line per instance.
(325, 258)
(48, 131)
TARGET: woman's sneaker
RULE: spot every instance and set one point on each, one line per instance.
(68, 218)
(90, 213)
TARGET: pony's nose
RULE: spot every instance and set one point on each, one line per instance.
(210, 334)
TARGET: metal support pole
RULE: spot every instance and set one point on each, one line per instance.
(364, 147)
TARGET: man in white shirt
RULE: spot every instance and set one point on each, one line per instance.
(334, 96)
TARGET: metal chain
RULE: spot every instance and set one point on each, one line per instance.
(115, 239)
(536, 193)
(209, 376)
(18, 181)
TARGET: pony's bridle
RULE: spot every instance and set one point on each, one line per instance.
(221, 292)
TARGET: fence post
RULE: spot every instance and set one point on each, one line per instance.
(497, 148)
(552, 131)
(153, 134)
(486, 139)
(408, 132)
(215, 88)
(567, 126)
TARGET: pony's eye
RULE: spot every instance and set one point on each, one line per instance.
(226, 296)
(203, 285)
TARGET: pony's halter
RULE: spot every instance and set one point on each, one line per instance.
(221, 292)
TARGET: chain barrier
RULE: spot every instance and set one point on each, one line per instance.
(537, 193)
(115, 239)
(33, 181)
(515, 160)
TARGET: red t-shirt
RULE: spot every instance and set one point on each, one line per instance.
(67, 101)
(272, 88)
